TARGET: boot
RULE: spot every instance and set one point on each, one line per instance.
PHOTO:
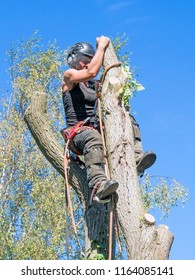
(144, 161)
(106, 189)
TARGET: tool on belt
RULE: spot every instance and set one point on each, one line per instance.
(69, 133)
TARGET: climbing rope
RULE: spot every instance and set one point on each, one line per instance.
(69, 202)
(112, 210)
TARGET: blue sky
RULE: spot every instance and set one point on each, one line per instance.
(162, 43)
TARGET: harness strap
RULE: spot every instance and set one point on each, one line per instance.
(69, 133)
(94, 190)
(95, 197)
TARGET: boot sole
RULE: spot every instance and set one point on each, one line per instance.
(147, 161)
(108, 191)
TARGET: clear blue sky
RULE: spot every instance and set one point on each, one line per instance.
(162, 42)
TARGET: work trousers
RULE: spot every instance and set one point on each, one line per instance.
(89, 143)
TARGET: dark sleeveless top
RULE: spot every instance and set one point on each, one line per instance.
(79, 102)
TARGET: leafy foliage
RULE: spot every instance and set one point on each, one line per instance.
(163, 193)
(131, 86)
(32, 215)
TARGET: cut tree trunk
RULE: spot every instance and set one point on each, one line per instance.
(143, 239)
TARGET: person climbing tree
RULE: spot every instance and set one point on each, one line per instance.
(79, 99)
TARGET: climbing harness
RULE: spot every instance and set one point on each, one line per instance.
(68, 135)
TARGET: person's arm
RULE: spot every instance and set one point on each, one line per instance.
(72, 76)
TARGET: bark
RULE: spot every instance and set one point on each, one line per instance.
(143, 239)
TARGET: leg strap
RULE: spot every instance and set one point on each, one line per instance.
(95, 197)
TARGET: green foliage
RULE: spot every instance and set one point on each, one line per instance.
(163, 193)
(35, 68)
(131, 86)
(96, 255)
(119, 42)
(32, 204)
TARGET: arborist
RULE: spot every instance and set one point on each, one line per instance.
(79, 100)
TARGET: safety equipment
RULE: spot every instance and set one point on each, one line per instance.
(144, 161)
(106, 189)
(80, 52)
(69, 133)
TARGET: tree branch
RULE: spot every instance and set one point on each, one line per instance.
(37, 122)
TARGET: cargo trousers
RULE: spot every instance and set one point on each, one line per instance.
(89, 143)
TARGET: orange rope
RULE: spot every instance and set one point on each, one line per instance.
(112, 203)
(66, 186)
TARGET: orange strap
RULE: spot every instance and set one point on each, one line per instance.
(66, 186)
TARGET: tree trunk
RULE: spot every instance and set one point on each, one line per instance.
(143, 239)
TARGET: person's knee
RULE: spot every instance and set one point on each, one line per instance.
(93, 139)
(93, 155)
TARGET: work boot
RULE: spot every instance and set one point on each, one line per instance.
(106, 189)
(144, 161)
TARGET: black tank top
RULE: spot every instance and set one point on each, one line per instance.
(79, 102)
